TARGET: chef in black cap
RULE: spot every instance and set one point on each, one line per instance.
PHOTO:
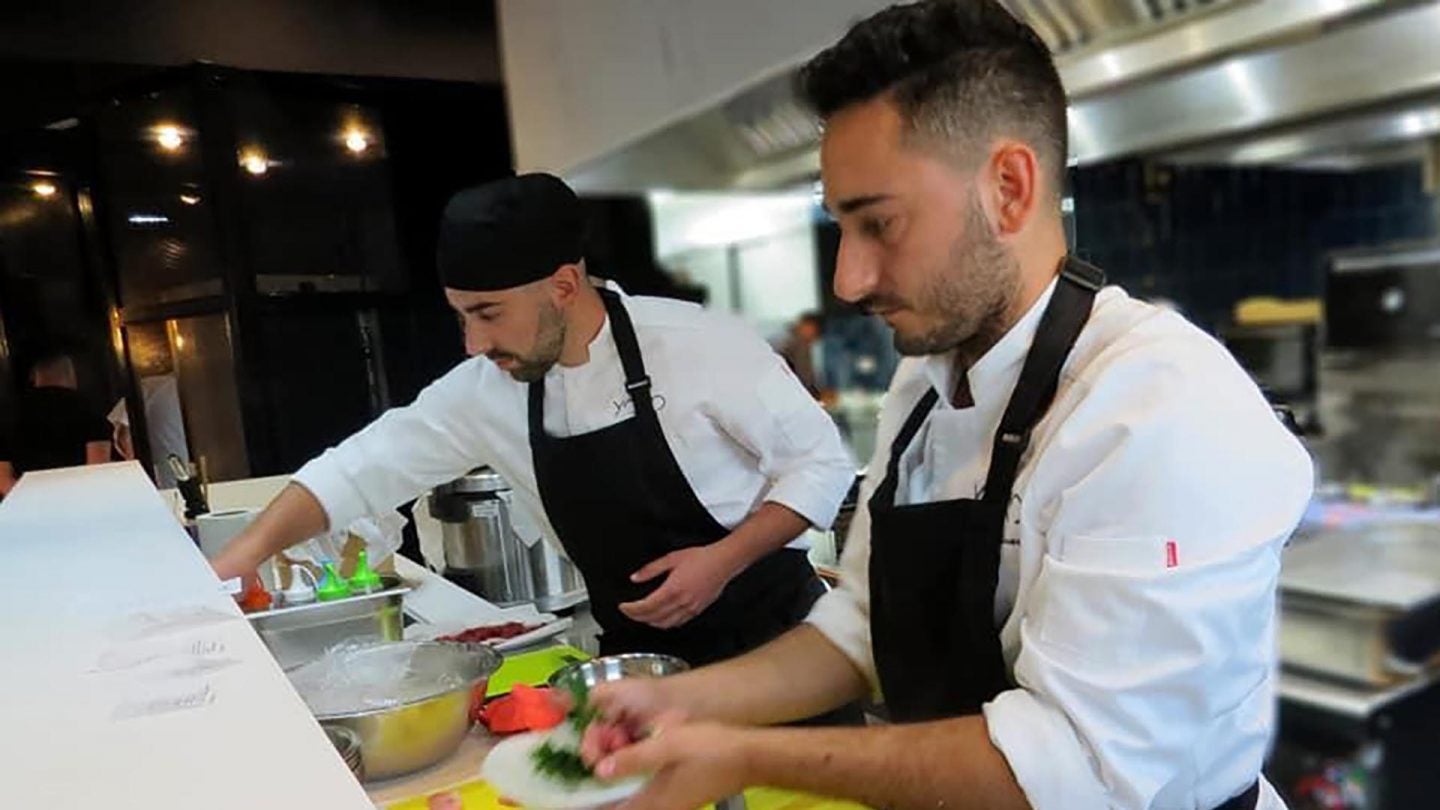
(666, 447)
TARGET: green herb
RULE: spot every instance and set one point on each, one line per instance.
(582, 714)
(561, 764)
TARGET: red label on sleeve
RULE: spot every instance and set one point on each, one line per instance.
(1172, 554)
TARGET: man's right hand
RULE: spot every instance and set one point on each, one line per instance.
(232, 561)
(627, 709)
(633, 701)
(292, 517)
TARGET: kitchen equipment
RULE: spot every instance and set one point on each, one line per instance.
(347, 744)
(484, 554)
(533, 668)
(189, 487)
(611, 668)
(297, 634)
(408, 702)
(1362, 604)
(216, 529)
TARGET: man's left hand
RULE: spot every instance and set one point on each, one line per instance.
(691, 765)
(696, 576)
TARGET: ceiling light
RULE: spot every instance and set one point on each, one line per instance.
(254, 161)
(169, 137)
(43, 188)
(357, 140)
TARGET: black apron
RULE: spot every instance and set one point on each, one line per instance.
(618, 500)
(934, 566)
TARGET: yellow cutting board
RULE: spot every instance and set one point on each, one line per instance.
(478, 795)
(532, 668)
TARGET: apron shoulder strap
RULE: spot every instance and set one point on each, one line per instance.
(912, 425)
(622, 329)
(1060, 325)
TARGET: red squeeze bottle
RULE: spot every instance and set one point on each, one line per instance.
(255, 596)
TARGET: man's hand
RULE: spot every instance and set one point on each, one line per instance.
(693, 764)
(634, 701)
(945, 763)
(696, 576)
(630, 709)
(294, 515)
(231, 563)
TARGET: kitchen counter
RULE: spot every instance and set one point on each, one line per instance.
(1356, 702)
(130, 680)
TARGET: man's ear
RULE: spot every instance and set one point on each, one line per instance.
(565, 283)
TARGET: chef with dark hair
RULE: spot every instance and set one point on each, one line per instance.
(667, 448)
(1062, 573)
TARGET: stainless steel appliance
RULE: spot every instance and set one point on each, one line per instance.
(1362, 605)
(485, 555)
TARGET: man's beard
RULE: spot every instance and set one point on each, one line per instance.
(968, 299)
(549, 341)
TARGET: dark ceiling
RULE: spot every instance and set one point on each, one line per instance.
(57, 53)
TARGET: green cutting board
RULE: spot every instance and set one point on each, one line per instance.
(532, 668)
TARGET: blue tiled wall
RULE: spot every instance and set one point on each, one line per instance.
(1208, 237)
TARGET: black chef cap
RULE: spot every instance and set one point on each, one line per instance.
(508, 233)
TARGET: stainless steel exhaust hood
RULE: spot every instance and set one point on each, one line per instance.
(1145, 76)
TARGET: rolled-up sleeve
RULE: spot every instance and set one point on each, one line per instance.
(1150, 690)
(760, 404)
(1146, 660)
(843, 614)
(400, 455)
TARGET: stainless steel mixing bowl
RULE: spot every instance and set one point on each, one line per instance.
(616, 667)
(424, 726)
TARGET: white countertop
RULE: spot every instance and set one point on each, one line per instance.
(129, 679)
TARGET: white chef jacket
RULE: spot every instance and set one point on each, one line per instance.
(1136, 597)
(742, 428)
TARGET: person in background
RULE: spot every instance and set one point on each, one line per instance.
(1062, 572)
(56, 426)
(163, 420)
(801, 352)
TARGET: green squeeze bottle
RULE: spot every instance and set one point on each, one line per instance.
(364, 580)
(332, 586)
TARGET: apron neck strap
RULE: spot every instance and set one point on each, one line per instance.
(622, 330)
(1060, 325)
(902, 440)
